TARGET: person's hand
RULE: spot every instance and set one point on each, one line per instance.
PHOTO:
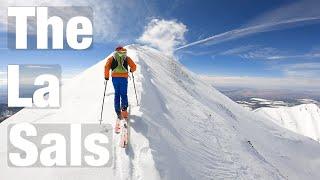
(106, 78)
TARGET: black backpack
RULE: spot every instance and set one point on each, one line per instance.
(114, 63)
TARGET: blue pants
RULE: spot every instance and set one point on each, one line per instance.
(120, 85)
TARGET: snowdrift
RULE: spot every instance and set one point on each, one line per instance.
(183, 129)
(303, 119)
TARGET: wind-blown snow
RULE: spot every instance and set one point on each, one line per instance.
(303, 119)
(183, 129)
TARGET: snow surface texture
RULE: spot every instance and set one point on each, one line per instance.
(303, 119)
(183, 129)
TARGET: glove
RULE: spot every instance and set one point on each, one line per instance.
(106, 78)
(131, 71)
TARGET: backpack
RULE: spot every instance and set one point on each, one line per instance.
(119, 68)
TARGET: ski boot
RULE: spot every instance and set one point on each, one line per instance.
(124, 113)
(124, 139)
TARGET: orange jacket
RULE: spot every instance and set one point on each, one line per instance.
(108, 66)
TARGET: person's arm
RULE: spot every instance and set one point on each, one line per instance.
(107, 68)
(132, 65)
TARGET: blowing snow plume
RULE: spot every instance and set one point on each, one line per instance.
(164, 35)
(183, 129)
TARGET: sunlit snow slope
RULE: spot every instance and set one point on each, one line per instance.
(183, 129)
(303, 119)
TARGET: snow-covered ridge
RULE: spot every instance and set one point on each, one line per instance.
(303, 119)
(183, 129)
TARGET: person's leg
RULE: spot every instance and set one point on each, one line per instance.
(123, 93)
(117, 85)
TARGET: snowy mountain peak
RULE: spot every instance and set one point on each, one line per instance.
(303, 119)
(182, 129)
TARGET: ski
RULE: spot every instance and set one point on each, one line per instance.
(124, 135)
(117, 126)
(125, 132)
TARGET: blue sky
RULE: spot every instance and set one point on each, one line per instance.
(221, 38)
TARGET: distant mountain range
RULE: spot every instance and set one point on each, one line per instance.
(255, 103)
(6, 112)
(257, 98)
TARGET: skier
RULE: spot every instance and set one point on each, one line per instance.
(118, 63)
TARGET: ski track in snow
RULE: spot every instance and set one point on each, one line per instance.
(128, 160)
(182, 129)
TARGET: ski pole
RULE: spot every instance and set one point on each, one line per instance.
(104, 95)
(135, 91)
